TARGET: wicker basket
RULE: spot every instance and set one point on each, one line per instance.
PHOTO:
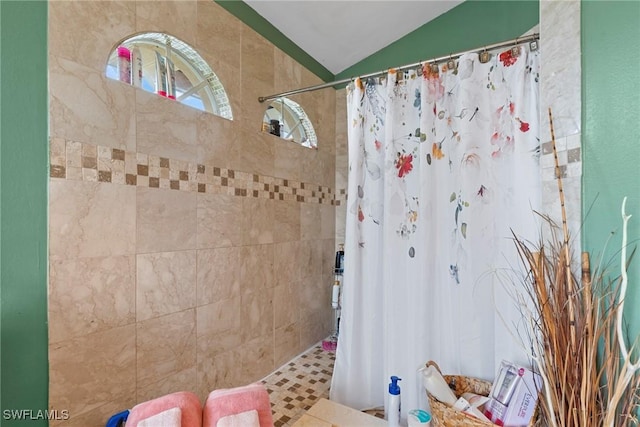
(445, 416)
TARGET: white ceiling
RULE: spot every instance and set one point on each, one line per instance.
(341, 33)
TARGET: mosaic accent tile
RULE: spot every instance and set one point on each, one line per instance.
(296, 386)
(569, 155)
(77, 161)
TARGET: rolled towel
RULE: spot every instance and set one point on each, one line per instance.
(187, 402)
(236, 402)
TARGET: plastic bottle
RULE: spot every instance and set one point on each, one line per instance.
(437, 387)
(124, 64)
(335, 294)
(339, 265)
(161, 75)
(136, 67)
(393, 405)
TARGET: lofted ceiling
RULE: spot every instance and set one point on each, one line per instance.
(327, 31)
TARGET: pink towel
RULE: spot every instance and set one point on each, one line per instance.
(189, 404)
(232, 401)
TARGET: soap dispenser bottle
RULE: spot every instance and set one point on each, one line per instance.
(393, 405)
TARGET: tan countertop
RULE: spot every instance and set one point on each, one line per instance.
(326, 413)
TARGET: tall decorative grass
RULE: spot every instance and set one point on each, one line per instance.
(576, 330)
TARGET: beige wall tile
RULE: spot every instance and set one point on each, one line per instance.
(219, 273)
(287, 159)
(318, 167)
(222, 370)
(90, 295)
(257, 271)
(89, 219)
(257, 358)
(257, 56)
(315, 295)
(215, 343)
(166, 220)
(90, 30)
(286, 304)
(166, 283)
(257, 313)
(219, 33)
(287, 221)
(252, 111)
(310, 258)
(219, 317)
(165, 127)
(341, 129)
(286, 262)
(173, 17)
(86, 106)
(287, 72)
(327, 221)
(310, 225)
(184, 380)
(258, 151)
(341, 222)
(219, 220)
(258, 221)
(165, 346)
(217, 140)
(324, 119)
(315, 327)
(287, 343)
(89, 373)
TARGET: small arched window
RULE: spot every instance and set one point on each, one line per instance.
(160, 63)
(287, 119)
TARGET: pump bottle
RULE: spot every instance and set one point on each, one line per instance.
(393, 405)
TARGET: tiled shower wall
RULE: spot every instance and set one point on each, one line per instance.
(560, 91)
(187, 251)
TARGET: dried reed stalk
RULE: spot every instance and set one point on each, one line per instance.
(576, 331)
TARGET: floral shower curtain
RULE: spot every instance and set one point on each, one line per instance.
(443, 164)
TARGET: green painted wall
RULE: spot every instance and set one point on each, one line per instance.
(23, 209)
(469, 25)
(611, 134)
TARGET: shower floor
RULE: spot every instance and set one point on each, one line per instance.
(296, 386)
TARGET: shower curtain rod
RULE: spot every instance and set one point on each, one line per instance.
(512, 42)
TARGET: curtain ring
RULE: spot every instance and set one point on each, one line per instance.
(451, 63)
(515, 50)
(484, 56)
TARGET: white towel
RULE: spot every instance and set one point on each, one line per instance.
(243, 419)
(169, 418)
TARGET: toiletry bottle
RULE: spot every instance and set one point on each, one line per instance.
(335, 294)
(393, 405)
(436, 385)
(339, 265)
(124, 64)
(136, 67)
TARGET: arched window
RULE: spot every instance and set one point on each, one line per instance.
(163, 64)
(287, 119)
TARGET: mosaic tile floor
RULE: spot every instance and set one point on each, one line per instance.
(296, 386)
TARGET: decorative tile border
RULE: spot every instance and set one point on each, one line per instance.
(77, 161)
(569, 158)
